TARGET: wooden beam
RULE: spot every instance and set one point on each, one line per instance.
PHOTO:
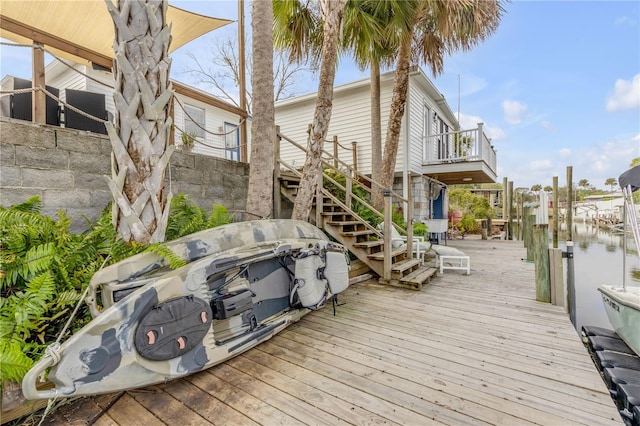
(38, 97)
(207, 99)
(47, 39)
(243, 82)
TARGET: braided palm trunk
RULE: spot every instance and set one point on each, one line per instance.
(140, 134)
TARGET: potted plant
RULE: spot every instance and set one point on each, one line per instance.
(188, 140)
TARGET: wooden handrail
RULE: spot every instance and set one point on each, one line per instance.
(352, 176)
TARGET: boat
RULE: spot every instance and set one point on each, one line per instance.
(622, 302)
(241, 284)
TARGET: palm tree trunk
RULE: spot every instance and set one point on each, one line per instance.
(398, 103)
(376, 134)
(332, 13)
(260, 194)
(140, 134)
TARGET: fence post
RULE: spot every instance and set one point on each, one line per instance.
(541, 259)
(386, 274)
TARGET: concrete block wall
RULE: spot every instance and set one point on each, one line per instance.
(67, 169)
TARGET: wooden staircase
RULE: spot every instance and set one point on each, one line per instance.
(360, 238)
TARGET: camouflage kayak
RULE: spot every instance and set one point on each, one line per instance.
(242, 284)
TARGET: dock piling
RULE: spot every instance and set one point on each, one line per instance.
(541, 259)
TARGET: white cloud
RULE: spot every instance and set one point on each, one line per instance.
(565, 153)
(471, 122)
(625, 20)
(548, 126)
(514, 111)
(626, 95)
(538, 165)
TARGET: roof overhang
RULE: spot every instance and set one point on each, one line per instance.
(83, 30)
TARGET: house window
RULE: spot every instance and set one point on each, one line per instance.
(194, 121)
(232, 141)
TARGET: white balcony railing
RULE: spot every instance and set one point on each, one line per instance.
(459, 146)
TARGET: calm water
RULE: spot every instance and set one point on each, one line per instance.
(598, 258)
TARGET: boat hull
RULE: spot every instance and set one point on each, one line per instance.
(623, 310)
(161, 324)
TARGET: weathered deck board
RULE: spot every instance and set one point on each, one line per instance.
(472, 349)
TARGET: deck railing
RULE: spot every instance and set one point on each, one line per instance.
(458, 146)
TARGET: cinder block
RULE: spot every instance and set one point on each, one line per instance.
(79, 161)
(7, 155)
(42, 158)
(71, 140)
(10, 176)
(38, 178)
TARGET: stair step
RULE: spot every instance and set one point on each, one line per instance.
(343, 213)
(404, 265)
(357, 233)
(419, 276)
(380, 256)
(343, 222)
(369, 244)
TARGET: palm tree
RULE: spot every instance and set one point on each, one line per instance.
(537, 187)
(369, 35)
(611, 182)
(583, 183)
(140, 132)
(260, 194)
(437, 28)
(297, 25)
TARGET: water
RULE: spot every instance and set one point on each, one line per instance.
(598, 259)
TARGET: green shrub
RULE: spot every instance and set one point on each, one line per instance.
(44, 268)
(419, 229)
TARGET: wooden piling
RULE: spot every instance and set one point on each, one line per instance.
(504, 199)
(541, 259)
(569, 203)
(530, 220)
(556, 224)
(556, 276)
(510, 185)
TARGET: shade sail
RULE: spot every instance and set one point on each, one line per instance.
(82, 30)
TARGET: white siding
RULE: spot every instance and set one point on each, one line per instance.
(105, 87)
(350, 122)
(415, 101)
(214, 123)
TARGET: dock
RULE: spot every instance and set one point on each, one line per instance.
(465, 350)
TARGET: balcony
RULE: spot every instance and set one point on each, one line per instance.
(460, 157)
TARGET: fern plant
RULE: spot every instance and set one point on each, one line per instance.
(44, 268)
(186, 217)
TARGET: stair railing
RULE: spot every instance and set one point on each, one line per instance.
(354, 178)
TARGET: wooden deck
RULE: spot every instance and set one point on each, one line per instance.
(471, 349)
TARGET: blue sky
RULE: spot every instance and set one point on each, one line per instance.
(557, 85)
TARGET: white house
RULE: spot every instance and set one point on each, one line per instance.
(214, 122)
(433, 151)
